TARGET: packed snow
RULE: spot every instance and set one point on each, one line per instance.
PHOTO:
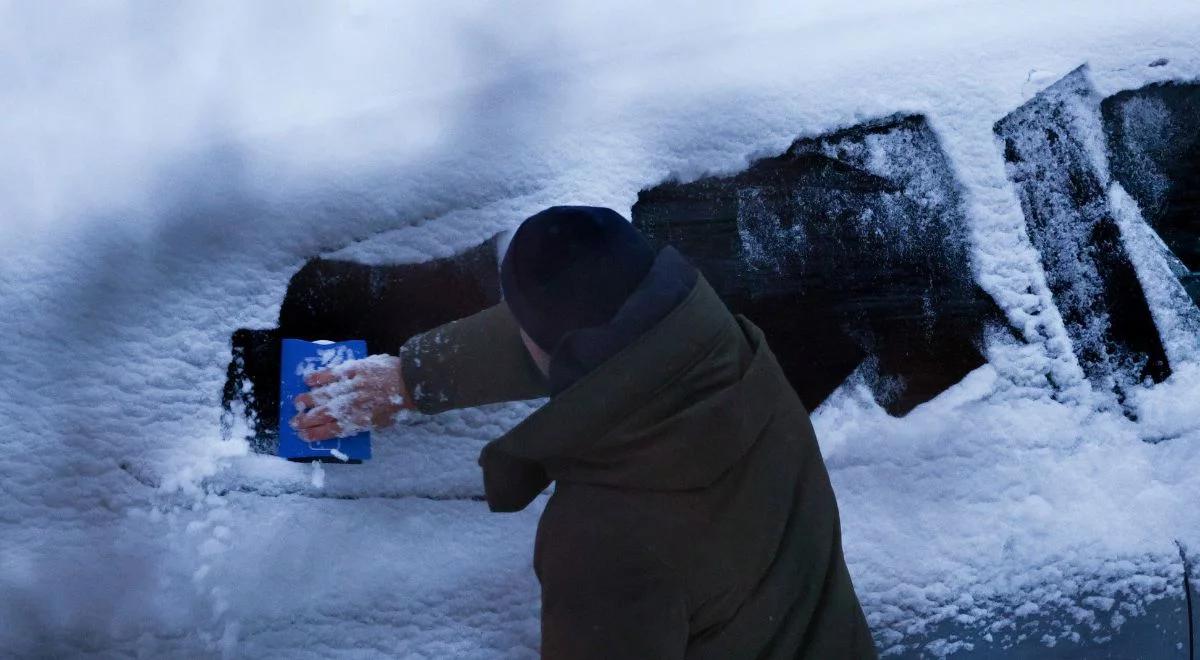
(169, 167)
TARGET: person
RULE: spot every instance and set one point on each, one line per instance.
(692, 515)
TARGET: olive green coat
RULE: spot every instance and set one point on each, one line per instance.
(692, 515)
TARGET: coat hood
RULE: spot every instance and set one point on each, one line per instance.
(672, 410)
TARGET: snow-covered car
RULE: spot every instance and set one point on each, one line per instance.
(969, 230)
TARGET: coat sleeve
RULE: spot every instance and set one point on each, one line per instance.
(613, 606)
(470, 362)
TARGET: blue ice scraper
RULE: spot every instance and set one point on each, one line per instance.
(302, 357)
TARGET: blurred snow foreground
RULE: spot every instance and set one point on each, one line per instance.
(169, 168)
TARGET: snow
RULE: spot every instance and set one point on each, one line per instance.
(318, 475)
(326, 358)
(1034, 503)
(170, 167)
(1177, 320)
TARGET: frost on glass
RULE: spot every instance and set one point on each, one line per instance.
(1153, 134)
(1053, 149)
(850, 250)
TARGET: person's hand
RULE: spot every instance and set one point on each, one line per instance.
(351, 397)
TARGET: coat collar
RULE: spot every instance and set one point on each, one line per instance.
(670, 279)
(635, 421)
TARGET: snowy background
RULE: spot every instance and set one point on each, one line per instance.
(169, 166)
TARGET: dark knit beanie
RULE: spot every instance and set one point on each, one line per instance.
(571, 267)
